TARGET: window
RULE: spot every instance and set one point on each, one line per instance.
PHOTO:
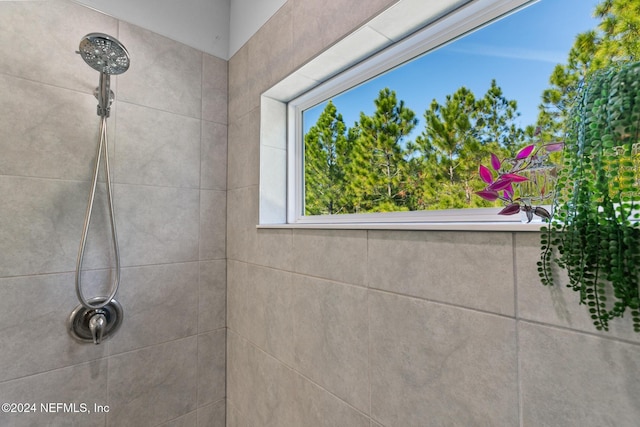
(312, 195)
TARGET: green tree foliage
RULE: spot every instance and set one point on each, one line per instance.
(448, 134)
(377, 171)
(373, 166)
(326, 153)
(616, 39)
(495, 120)
(458, 135)
(448, 130)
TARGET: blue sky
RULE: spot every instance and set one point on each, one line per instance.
(519, 51)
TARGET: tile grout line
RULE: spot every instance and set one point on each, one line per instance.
(517, 328)
(369, 340)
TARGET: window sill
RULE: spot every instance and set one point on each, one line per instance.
(434, 226)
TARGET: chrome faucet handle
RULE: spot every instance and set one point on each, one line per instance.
(97, 325)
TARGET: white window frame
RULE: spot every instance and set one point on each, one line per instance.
(385, 44)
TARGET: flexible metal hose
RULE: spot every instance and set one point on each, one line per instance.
(102, 148)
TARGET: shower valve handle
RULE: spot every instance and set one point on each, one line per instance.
(97, 324)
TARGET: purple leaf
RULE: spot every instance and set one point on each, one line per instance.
(495, 162)
(556, 146)
(524, 153)
(508, 192)
(499, 185)
(488, 195)
(511, 209)
(485, 174)
(512, 177)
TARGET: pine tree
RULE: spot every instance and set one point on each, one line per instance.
(372, 167)
(458, 135)
(495, 120)
(616, 39)
(325, 154)
(377, 172)
(448, 130)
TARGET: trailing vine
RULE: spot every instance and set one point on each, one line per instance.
(594, 232)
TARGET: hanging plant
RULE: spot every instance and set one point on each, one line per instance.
(594, 233)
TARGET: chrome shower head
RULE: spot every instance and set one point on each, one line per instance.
(108, 56)
(104, 53)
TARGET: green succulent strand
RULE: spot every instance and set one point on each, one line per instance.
(594, 233)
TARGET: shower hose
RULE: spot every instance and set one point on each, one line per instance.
(97, 303)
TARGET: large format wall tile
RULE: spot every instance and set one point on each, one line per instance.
(212, 353)
(161, 225)
(213, 224)
(158, 304)
(465, 268)
(263, 392)
(242, 94)
(40, 38)
(331, 337)
(157, 368)
(80, 384)
(189, 420)
(274, 51)
(33, 315)
(164, 74)
(234, 418)
(339, 255)
(315, 406)
(242, 217)
(320, 24)
(270, 248)
(243, 167)
(557, 304)
(213, 415)
(153, 385)
(260, 307)
(156, 148)
(214, 89)
(58, 140)
(259, 386)
(434, 365)
(212, 296)
(213, 156)
(572, 379)
(41, 224)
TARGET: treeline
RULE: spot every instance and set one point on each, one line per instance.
(372, 166)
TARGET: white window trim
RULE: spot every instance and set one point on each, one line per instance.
(281, 135)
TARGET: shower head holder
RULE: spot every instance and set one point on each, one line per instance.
(104, 95)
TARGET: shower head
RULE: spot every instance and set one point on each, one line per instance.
(104, 53)
(108, 56)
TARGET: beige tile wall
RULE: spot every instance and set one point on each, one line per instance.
(325, 328)
(168, 139)
(395, 328)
